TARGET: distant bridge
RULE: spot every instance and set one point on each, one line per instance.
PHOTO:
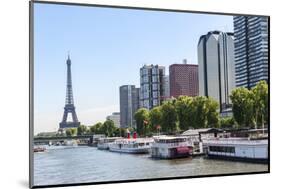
(55, 139)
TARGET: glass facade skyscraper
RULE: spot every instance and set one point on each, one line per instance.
(152, 86)
(167, 87)
(251, 50)
(216, 66)
(129, 104)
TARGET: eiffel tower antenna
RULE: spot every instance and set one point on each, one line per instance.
(69, 102)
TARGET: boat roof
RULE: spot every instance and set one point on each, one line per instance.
(164, 137)
(111, 138)
(198, 131)
(135, 139)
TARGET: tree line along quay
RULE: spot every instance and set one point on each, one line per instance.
(249, 107)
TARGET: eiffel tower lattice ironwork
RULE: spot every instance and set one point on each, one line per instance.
(69, 102)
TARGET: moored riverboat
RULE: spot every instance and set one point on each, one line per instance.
(133, 146)
(169, 147)
(252, 149)
(39, 149)
(66, 144)
(103, 143)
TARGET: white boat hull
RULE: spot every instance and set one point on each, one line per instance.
(130, 150)
(103, 146)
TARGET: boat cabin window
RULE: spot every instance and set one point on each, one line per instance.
(141, 144)
(175, 140)
(227, 149)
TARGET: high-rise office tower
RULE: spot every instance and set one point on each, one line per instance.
(216, 66)
(151, 86)
(129, 104)
(183, 79)
(251, 50)
(166, 87)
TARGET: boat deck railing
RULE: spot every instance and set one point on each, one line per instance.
(171, 145)
(245, 141)
(138, 140)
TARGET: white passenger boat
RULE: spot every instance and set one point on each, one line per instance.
(62, 145)
(103, 143)
(134, 146)
(168, 147)
(235, 148)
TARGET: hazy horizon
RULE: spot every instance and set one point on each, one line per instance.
(107, 48)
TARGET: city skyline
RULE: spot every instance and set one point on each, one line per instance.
(106, 45)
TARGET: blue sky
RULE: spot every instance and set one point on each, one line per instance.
(107, 47)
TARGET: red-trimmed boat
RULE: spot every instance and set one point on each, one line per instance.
(169, 147)
(39, 149)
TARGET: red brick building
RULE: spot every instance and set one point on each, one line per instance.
(183, 80)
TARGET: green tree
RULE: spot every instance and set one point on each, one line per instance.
(260, 95)
(142, 119)
(155, 117)
(200, 112)
(226, 122)
(121, 132)
(108, 128)
(213, 114)
(242, 106)
(71, 132)
(68, 132)
(131, 129)
(185, 112)
(82, 130)
(96, 129)
(169, 117)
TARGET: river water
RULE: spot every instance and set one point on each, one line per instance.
(87, 164)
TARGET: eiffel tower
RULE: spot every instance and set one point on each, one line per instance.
(69, 103)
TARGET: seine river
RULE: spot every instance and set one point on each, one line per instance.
(87, 164)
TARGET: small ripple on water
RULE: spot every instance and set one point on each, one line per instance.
(87, 164)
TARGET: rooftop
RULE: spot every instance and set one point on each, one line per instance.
(197, 131)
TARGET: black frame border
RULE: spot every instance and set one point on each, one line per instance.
(31, 91)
